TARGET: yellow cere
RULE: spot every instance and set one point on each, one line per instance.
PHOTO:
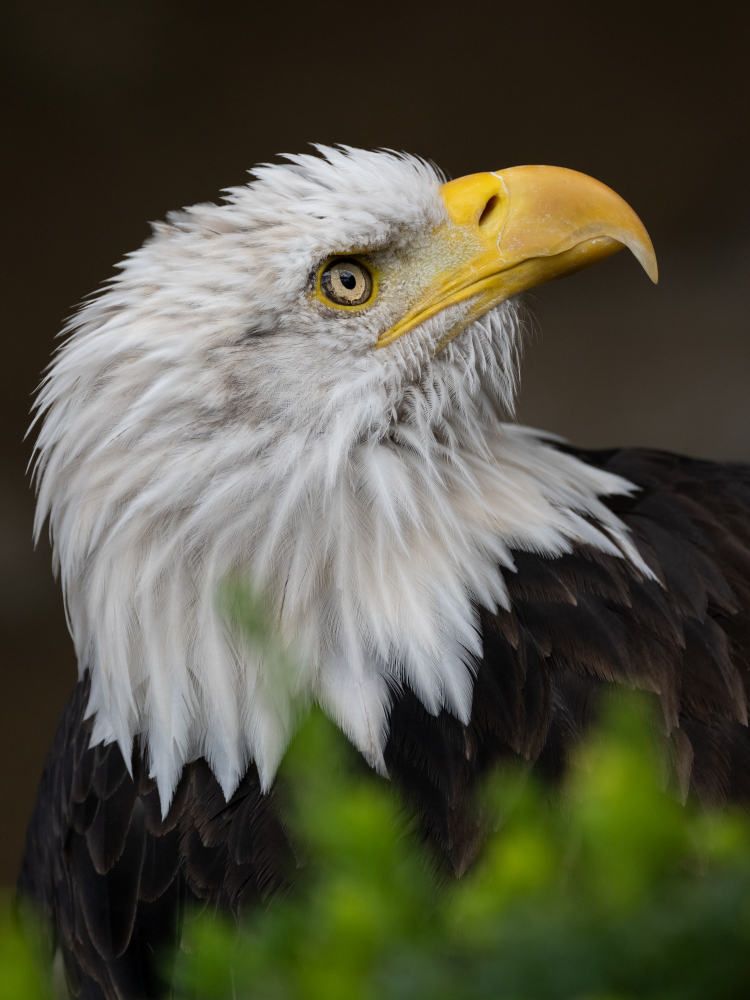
(514, 229)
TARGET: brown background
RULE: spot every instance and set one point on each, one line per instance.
(113, 113)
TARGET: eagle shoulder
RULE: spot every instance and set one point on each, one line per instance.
(587, 621)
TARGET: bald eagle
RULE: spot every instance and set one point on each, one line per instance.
(309, 389)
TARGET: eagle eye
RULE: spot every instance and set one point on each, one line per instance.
(346, 283)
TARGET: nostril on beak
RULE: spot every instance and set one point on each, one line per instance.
(488, 210)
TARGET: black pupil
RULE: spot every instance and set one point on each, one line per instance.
(347, 279)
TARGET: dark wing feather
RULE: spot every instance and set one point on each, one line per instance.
(112, 878)
(584, 621)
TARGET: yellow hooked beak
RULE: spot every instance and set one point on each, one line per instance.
(517, 228)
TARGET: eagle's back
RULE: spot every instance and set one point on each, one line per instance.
(113, 878)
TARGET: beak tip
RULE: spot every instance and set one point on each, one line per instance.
(647, 259)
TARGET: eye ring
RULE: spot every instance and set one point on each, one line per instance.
(345, 283)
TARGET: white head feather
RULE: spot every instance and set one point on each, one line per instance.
(208, 418)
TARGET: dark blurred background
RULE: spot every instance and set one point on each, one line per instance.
(114, 113)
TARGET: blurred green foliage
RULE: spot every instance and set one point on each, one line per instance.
(606, 889)
(22, 976)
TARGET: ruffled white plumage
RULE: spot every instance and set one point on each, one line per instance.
(206, 420)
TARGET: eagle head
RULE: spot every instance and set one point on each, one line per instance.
(303, 388)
